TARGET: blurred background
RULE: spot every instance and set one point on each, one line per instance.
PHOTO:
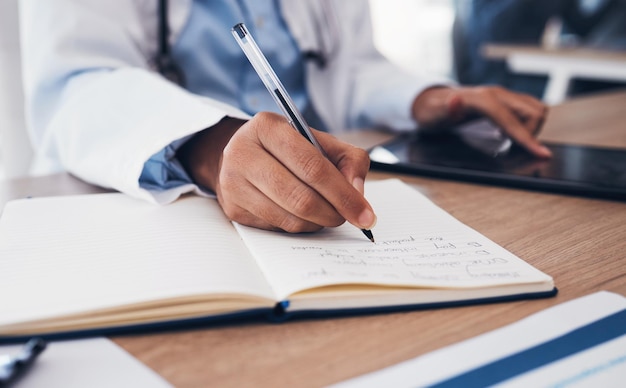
(553, 49)
(415, 34)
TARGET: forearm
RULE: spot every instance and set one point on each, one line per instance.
(201, 155)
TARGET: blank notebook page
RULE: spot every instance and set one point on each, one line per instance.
(69, 254)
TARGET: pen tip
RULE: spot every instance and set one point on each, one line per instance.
(368, 234)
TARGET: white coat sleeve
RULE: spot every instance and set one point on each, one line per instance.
(381, 92)
(94, 107)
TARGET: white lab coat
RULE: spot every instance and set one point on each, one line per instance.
(103, 125)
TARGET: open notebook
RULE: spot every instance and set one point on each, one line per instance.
(107, 263)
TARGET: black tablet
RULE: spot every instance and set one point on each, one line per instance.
(579, 170)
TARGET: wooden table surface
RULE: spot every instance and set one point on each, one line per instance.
(580, 242)
(598, 120)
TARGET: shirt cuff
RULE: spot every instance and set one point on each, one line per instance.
(163, 170)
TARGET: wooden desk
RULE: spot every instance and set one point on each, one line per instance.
(561, 65)
(580, 242)
(597, 120)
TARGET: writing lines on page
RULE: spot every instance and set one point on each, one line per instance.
(417, 245)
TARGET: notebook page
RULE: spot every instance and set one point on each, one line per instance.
(417, 244)
(70, 254)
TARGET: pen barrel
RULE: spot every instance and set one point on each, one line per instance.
(273, 84)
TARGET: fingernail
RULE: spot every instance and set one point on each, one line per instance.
(359, 184)
(367, 219)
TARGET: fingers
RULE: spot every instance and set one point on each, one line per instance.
(519, 116)
(323, 175)
(530, 111)
(350, 166)
(511, 125)
(269, 216)
(281, 188)
(351, 161)
(272, 177)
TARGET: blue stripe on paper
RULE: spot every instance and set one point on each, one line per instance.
(583, 338)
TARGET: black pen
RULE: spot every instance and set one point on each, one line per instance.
(11, 368)
(277, 90)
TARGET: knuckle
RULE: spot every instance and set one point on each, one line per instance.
(313, 168)
(304, 202)
(290, 225)
(234, 213)
(266, 120)
(229, 154)
(361, 156)
(264, 116)
(293, 224)
(228, 178)
(335, 221)
(233, 152)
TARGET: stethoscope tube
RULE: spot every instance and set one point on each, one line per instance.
(165, 64)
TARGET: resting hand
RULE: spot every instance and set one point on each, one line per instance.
(518, 115)
(267, 175)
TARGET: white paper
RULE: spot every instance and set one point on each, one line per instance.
(417, 244)
(93, 363)
(64, 255)
(475, 352)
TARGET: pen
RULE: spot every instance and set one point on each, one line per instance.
(277, 90)
(11, 368)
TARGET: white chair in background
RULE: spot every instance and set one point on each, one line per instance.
(15, 149)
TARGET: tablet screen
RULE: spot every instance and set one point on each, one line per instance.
(574, 169)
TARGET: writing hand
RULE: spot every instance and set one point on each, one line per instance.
(518, 115)
(265, 174)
